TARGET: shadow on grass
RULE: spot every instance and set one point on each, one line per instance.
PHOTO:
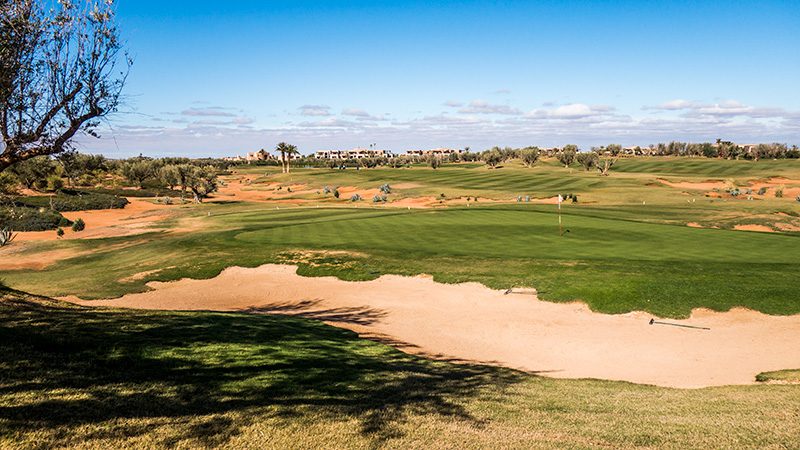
(131, 373)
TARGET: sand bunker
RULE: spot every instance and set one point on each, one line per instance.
(753, 227)
(473, 323)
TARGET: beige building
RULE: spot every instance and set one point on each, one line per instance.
(434, 152)
(356, 153)
(261, 155)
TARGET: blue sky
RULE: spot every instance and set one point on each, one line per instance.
(219, 78)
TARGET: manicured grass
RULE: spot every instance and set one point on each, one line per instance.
(616, 265)
(97, 378)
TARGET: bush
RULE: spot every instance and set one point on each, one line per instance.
(8, 183)
(336, 193)
(355, 198)
(762, 191)
(60, 232)
(779, 193)
(138, 193)
(69, 200)
(31, 219)
(54, 183)
(78, 226)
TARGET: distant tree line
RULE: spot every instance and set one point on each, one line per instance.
(198, 177)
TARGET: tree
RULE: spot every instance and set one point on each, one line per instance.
(567, 155)
(59, 74)
(287, 151)
(138, 171)
(605, 165)
(170, 176)
(76, 165)
(529, 155)
(34, 172)
(493, 157)
(614, 149)
(435, 162)
(202, 181)
(588, 160)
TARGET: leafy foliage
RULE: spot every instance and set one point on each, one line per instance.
(31, 219)
(78, 226)
(70, 200)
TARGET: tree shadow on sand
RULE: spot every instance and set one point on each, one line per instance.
(356, 315)
(68, 366)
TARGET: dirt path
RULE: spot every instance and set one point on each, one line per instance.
(474, 323)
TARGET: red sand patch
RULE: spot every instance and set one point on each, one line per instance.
(786, 226)
(753, 227)
(136, 218)
(701, 186)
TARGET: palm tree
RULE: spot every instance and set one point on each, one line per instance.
(286, 151)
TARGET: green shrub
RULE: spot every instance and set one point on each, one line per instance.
(137, 193)
(60, 232)
(31, 219)
(8, 183)
(779, 193)
(355, 198)
(69, 200)
(54, 183)
(78, 226)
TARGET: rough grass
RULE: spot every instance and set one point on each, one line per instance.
(103, 378)
(781, 376)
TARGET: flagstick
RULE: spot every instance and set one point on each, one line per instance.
(560, 227)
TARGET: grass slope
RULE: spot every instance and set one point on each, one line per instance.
(95, 378)
(613, 263)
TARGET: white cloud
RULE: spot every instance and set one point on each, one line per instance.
(483, 107)
(214, 111)
(314, 110)
(453, 104)
(487, 125)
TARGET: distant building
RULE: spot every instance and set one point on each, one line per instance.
(356, 153)
(261, 155)
(434, 152)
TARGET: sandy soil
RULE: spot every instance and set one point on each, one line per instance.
(791, 188)
(136, 218)
(470, 322)
(753, 227)
(787, 226)
(704, 186)
(694, 225)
